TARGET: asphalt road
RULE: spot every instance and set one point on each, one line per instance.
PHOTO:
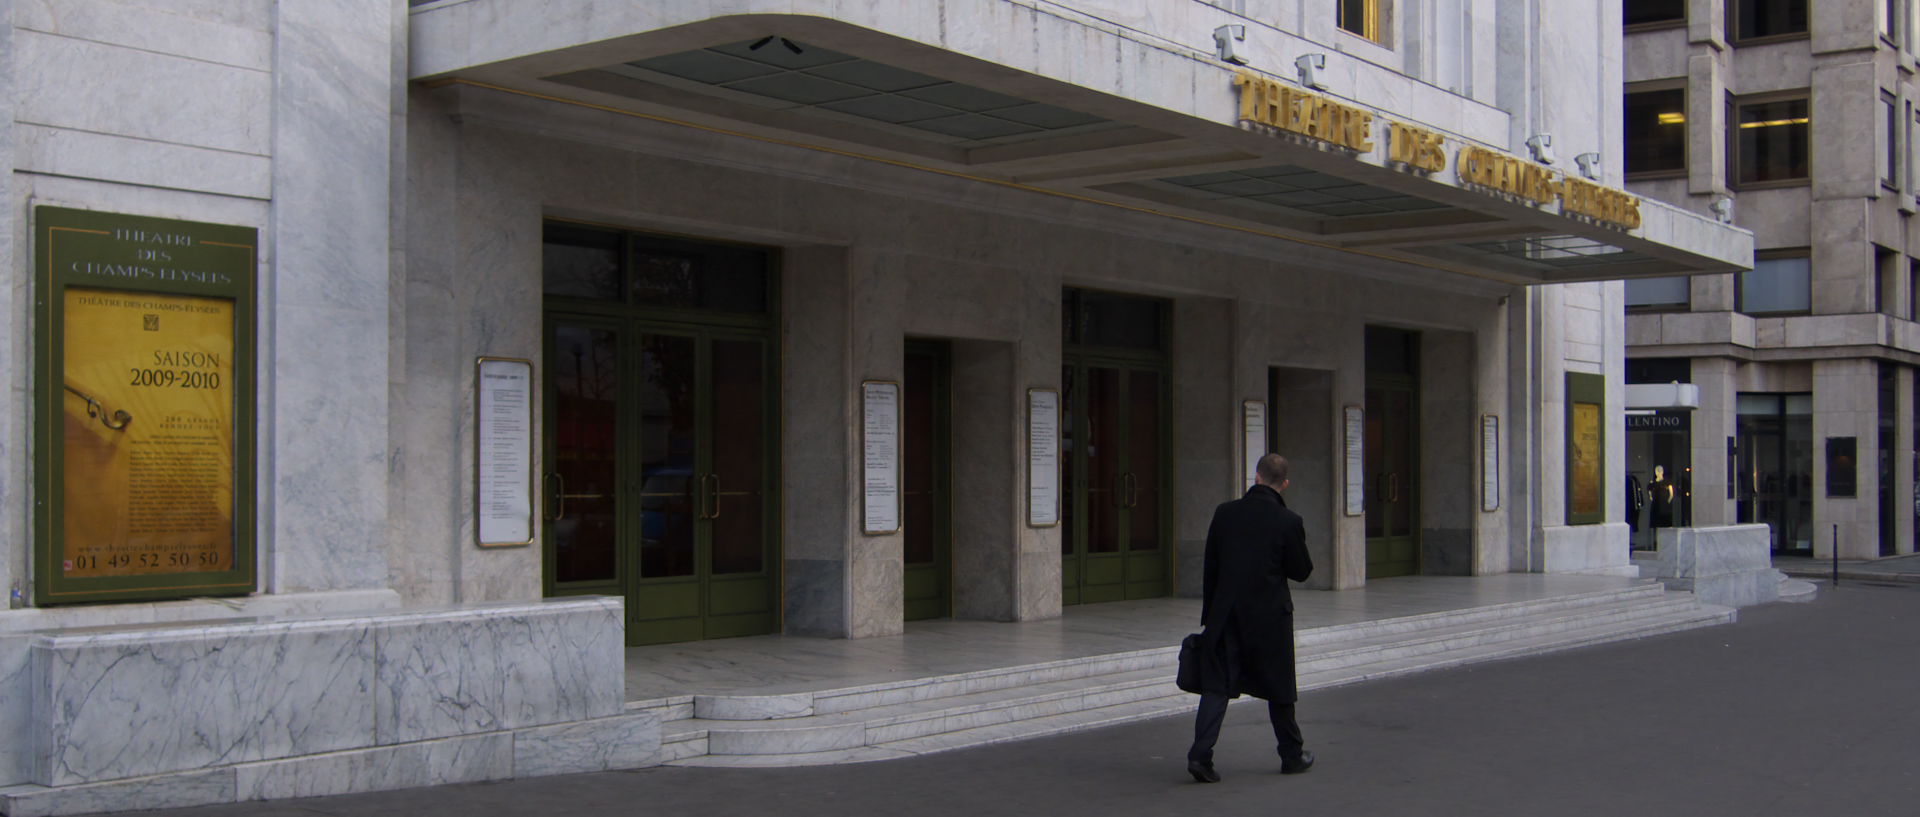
(1808, 709)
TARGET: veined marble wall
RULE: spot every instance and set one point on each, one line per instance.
(132, 701)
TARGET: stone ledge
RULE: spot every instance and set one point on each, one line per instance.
(605, 744)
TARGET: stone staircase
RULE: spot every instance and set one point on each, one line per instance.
(925, 715)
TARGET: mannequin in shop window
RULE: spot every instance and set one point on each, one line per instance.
(1660, 498)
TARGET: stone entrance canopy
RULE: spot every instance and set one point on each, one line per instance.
(1413, 181)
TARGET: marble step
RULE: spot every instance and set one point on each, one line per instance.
(914, 719)
(1469, 634)
(1797, 591)
(1686, 618)
(809, 704)
(1383, 654)
(1495, 612)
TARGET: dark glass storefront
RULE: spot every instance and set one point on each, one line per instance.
(1659, 474)
(1776, 467)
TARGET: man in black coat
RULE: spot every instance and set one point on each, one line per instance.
(1254, 546)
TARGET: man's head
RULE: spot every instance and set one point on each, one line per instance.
(1271, 470)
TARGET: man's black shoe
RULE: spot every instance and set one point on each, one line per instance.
(1301, 764)
(1202, 772)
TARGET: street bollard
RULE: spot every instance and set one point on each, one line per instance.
(1836, 555)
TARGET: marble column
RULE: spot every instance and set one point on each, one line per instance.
(1846, 404)
(1491, 388)
(818, 432)
(326, 298)
(989, 480)
(1307, 433)
(1713, 425)
(1449, 453)
(1213, 370)
(15, 301)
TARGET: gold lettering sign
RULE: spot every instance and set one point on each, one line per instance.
(1585, 468)
(1265, 101)
(1517, 177)
(1600, 203)
(1416, 147)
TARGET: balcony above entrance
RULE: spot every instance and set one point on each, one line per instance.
(1376, 173)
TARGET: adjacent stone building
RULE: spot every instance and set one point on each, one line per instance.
(1794, 119)
(499, 335)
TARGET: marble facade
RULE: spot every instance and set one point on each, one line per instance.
(399, 161)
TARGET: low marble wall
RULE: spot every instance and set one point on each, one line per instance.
(1730, 565)
(1594, 549)
(18, 630)
(120, 702)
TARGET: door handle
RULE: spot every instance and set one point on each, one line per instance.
(1393, 487)
(713, 496)
(1130, 491)
(559, 495)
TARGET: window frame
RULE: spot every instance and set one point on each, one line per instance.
(1734, 104)
(1374, 28)
(1686, 157)
(1733, 27)
(1647, 309)
(1740, 282)
(1654, 25)
(1890, 153)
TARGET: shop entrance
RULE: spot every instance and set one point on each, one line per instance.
(659, 436)
(1776, 467)
(1391, 447)
(927, 475)
(1115, 520)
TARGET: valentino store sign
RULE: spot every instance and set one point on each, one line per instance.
(1268, 103)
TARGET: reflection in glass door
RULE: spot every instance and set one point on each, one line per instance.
(1112, 546)
(1775, 463)
(658, 422)
(659, 476)
(1391, 453)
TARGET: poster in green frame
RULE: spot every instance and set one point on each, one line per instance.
(143, 422)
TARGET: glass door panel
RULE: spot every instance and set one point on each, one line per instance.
(1113, 541)
(668, 448)
(1143, 515)
(1392, 547)
(736, 483)
(584, 508)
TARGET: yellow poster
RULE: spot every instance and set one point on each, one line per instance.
(148, 431)
(1586, 458)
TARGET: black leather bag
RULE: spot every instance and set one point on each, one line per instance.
(1187, 678)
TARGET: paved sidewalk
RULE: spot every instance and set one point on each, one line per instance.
(1796, 709)
(1888, 569)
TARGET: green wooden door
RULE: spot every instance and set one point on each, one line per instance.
(1392, 468)
(927, 527)
(659, 450)
(1113, 544)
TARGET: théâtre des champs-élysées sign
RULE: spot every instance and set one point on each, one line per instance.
(143, 384)
(1269, 103)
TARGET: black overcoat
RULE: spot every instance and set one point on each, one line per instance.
(1254, 546)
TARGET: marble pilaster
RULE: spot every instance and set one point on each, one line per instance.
(989, 479)
(326, 299)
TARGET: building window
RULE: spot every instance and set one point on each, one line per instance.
(1886, 276)
(1761, 19)
(1913, 305)
(1890, 20)
(1653, 12)
(1656, 136)
(1771, 141)
(1658, 294)
(1780, 285)
(1361, 17)
(1890, 134)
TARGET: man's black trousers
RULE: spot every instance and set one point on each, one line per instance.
(1213, 710)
